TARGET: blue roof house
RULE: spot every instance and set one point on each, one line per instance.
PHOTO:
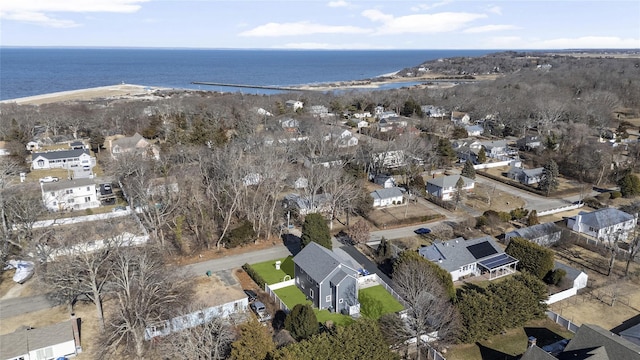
(325, 280)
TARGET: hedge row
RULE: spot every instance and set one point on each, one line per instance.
(254, 275)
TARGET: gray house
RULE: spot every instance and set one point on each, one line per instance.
(525, 176)
(325, 280)
(542, 234)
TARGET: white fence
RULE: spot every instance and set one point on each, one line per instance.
(124, 239)
(562, 295)
(497, 164)
(196, 318)
(77, 219)
(560, 209)
(281, 285)
(566, 323)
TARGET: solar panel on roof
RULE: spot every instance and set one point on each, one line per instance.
(497, 261)
(481, 250)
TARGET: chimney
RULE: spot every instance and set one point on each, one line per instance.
(76, 333)
(531, 342)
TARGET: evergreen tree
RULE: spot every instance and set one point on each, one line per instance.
(315, 229)
(459, 193)
(533, 218)
(482, 155)
(629, 185)
(445, 150)
(533, 258)
(468, 170)
(384, 249)
(549, 179)
(301, 322)
(254, 342)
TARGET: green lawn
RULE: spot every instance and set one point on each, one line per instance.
(292, 296)
(375, 301)
(269, 273)
(511, 344)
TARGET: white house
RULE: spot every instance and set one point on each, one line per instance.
(525, 176)
(474, 130)
(65, 159)
(320, 111)
(443, 187)
(362, 124)
(361, 115)
(341, 137)
(573, 281)
(386, 197)
(472, 257)
(606, 224)
(319, 203)
(433, 111)
(460, 118)
(32, 146)
(294, 104)
(386, 181)
(75, 194)
(47, 342)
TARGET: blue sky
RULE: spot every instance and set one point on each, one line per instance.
(315, 24)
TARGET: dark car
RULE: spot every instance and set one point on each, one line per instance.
(422, 231)
(251, 294)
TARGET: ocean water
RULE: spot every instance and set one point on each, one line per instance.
(34, 71)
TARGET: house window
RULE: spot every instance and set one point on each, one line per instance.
(592, 229)
(310, 292)
(340, 301)
(40, 163)
(328, 298)
(69, 191)
(87, 199)
(88, 188)
(71, 201)
(53, 193)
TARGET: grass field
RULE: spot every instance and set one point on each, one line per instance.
(292, 296)
(375, 301)
(269, 273)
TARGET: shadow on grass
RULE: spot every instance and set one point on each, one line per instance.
(487, 353)
(543, 335)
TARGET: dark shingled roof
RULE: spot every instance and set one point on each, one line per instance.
(536, 353)
(67, 184)
(317, 261)
(589, 338)
(63, 154)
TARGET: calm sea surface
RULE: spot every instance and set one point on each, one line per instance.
(34, 71)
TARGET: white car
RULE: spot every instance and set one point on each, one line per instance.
(48, 179)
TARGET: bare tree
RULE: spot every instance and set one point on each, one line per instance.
(209, 341)
(147, 292)
(428, 308)
(359, 232)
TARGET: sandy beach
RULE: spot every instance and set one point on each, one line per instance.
(103, 92)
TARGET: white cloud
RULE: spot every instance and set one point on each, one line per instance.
(421, 23)
(39, 11)
(495, 10)
(588, 42)
(431, 6)
(489, 28)
(38, 18)
(339, 3)
(327, 46)
(301, 28)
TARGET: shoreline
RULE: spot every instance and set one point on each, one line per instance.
(133, 91)
(118, 91)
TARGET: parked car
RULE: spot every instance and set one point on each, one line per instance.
(251, 295)
(260, 310)
(422, 231)
(48, 179)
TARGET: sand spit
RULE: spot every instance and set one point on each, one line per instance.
(119, 91)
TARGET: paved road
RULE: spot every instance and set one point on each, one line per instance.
(22, 305)
(235, 261)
